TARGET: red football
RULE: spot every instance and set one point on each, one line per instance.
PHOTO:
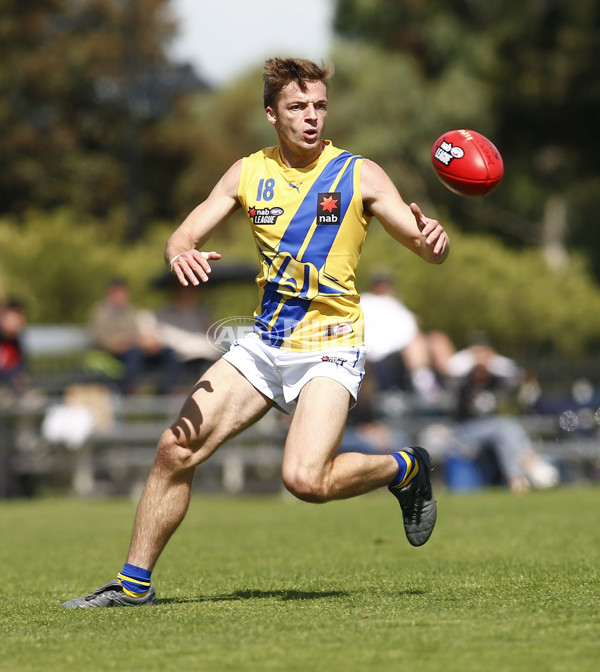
(467, 163)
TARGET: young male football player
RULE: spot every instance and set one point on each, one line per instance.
(309, 205)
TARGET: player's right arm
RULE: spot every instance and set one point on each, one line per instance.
(182, 252)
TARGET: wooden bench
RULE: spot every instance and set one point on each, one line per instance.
(117, 459)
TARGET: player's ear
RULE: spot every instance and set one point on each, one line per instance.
(271, 116)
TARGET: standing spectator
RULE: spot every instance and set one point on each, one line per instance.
(129, 334)
(13, 364)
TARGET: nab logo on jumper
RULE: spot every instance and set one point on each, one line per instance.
(329, 207)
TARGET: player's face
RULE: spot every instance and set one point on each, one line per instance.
(299, 117)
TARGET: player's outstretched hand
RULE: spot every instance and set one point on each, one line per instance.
(435, 236)
(193, 266)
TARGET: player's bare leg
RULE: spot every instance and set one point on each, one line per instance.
(311, 469)
(221, 405)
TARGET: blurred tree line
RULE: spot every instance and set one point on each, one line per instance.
(524, 72)
(107, 144)
(87, 96)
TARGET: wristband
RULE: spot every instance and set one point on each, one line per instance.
(206, 255)
(174, 260)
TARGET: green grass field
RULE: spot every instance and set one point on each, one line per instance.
(268, 583)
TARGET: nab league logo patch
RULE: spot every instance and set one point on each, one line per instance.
(446, 152)
(338, 361)
(261, 216)
(329, 207)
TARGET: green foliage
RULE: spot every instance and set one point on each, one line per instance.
(213, 131)
(60, 265)
(395, 119)
(82, 98)
(521, 72)
(526, 307)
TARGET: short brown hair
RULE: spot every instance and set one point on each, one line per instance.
(279, 72)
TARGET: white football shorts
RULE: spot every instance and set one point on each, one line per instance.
(280, 374)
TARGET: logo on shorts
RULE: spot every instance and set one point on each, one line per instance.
(329, 207)
(338, 361)
(262, 216)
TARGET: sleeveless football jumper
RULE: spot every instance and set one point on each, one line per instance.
(309, 228)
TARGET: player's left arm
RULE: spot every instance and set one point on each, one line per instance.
(422, 235)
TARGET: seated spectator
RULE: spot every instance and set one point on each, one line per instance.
(401, 355)
(366, 429)
(129, 334)
(182, 326)
(13, 363)
(482, 379)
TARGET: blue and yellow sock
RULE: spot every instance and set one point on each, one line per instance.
(135, 580)
(408, 468)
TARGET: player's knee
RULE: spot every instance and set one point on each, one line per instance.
(306, 486)
(173, 453)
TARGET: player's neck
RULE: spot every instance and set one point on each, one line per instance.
(294, 157)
